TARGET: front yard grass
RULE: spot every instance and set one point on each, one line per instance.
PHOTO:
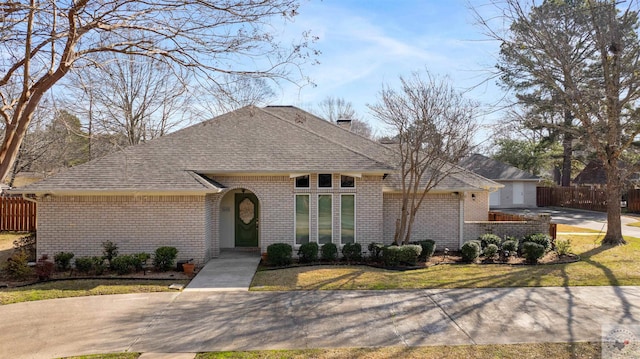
(505, 351)
(599, 265)
(83, 287)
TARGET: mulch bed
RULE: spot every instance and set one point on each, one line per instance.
(8, 282)
(440, 258)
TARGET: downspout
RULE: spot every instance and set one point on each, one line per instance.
(461, 229)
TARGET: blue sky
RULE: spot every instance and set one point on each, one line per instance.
(367, 43)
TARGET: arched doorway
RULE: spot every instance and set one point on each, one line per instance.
(239, 219)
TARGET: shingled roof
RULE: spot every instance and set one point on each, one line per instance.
(495, 170)
(251, 140)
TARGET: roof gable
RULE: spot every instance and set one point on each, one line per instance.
(248, 140)
(495, 170)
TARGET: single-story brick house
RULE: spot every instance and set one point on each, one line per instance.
(248, 178)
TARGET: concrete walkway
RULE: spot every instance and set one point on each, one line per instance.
(231, 271)
(191, 322)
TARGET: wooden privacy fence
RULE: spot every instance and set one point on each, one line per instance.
(633, 200)
(17, 214)
(572, 197)
(509, 217)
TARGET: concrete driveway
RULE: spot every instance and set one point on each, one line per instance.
(579, 218)
(213, 321)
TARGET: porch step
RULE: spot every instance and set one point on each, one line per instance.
(241, 249)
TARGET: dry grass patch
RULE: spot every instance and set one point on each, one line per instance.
(565, 228)
(83, 287)
(531, 351)
(598, 266)
(6, 245)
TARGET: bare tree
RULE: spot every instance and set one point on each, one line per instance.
(433, 127)
(43, 40)
(333, 109)
(232, 92)
(602, 93)
(138, 98)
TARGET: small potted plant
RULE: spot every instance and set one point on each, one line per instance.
(188, 267)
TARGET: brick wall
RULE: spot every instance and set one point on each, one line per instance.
(476, 206)
(437, 219)
(80, 224)
(518, 229)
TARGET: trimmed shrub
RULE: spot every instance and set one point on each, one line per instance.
(428, 248)
(542, 239)
(97, 264)
(308, 252)
(329, 252)
(139, 260)
(164, 258)
(123, 264)
(489, 238)
(375, 251)
(510, 245)
(63, 260)
(470, 251)
(532, 251)
(391, 256)
(490, 251)
(563, 247)
(409, 254)
(84, 264)
(279, 254)
(352, 252)
(44, 267)
(17, 266)
(109, 251)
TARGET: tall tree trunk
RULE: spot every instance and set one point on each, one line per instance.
(567, 153)
(614, 186)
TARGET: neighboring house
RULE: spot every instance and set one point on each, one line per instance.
(246, 179)
(519, 189)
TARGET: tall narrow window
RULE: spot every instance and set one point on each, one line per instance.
(348, 218)
(325, 218)
(302, 218)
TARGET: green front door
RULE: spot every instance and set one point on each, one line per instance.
(246, 220)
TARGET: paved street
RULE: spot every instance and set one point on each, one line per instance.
(212, 321)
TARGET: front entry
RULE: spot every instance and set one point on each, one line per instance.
(246, 220)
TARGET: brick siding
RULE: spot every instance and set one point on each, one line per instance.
(80, 224)
(437, 219)
(518, 229)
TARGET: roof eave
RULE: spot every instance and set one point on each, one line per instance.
(115, 192)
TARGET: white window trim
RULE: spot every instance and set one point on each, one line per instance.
(318, 181)
(318, 216)
(295, 180)
(348, 175)
(295, 219)
(355, 217)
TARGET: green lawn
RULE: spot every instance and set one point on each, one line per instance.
(83, 287)
(530, 351)
(598, 266)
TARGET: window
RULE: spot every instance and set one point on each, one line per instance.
(324, 180)
(325, 218)
(302, 219)
(302, 181)
(347, 218)
(347, 181)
